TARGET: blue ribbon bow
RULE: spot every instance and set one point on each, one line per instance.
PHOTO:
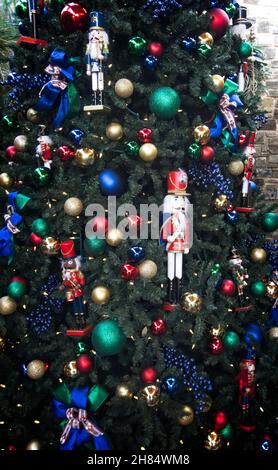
(6, 234)
(220, 122)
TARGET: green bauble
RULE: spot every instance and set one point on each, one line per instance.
(231, 340)
(258, 288)
(81, 348)
(40, 227)
(164, 102)
(245, 50)
(21, 9)
(8, 122)
(108, 338)
(194, 151)
(137, 46)
(270, 222)
(16, 290)
(204, 51)
(132, 148)
(230, 9)
(94, 246)
(41, 176)
(227, 432)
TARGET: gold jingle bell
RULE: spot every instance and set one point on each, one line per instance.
(206, 38)
(150, 394)
(70, 369)
(202, 134)
(50, 246)
(85, 157)
(220, 203)
(114, 131)
(185, 416)
(213, 441)
(191, 302)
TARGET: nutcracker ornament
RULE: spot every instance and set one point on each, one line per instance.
(73, 283)
(35, 8)
(43, 150)
(176, 232)
(246, 381)
(239, 28)
(240, 276)
(96, 53)
(249, 164)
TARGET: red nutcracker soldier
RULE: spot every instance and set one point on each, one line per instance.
(73, 283)
(35, 8)
(240, 276)
(246, 380)
(176, 232)
(43, 150)
(249, 165)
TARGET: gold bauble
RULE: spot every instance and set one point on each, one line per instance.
(191, 302)
(73, 206)
(147, 269)
(206, 38)
(36, 369)
(34, 444)
(150, 394)
(122, 391)
(258, 255)
(236, 167)
(218, 83)
(271, 290)
(85, 157)
(220, 203)
(7, 305)
(148, 152)
(100, 295)
(185, 416)
(6, 181)
(70, 369)
(213, 441)
(50, 246)
(202, 134)
(114, 237)
(2, 343)
(114, 131)
(207, 403)
(273, 332)
(32, 115)
(20, 143)
(124, 88)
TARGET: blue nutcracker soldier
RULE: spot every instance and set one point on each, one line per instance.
(35, 8)
(96, 53)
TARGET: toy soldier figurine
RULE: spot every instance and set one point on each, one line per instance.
(249, 164)
(240, 276)
(240, 26)
(97, 52)
(35, 8)
(246, 380)
(73, 283)
(43, 150)
(176, 232)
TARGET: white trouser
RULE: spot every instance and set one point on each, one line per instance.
(175, 261)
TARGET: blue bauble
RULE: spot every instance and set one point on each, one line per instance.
(136, 253)
(76, 135)
(22, 28)
(112, 183)
(232, 77)
(150, 63)
(253, 185)
(189, 44)
(253, 334)
(231, 217)
(170, 384)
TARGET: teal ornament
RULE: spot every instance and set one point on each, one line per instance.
(40, 227)
(164, 102)
(108, 338)
(270, 222)
(245, 50)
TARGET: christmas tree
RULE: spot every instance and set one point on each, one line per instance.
(157, 331)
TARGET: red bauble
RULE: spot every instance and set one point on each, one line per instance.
(230, 208)
(35, 239)
(148, 375)
(158, 327)
(19, 279)
(220, 22)
(220, 420)
(134, 221)
(11, 447)
(66, 153)
(227, 287)
(99, 224)
(215, 345)
(74, 17)
(129, 272)
(11, 152)
(84, 364)
(207, 154)
(242, 140)
(145, 135)
(156, 49)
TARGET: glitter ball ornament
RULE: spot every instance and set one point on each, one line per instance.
(191, 302)
(108, 338)
(185, 416)
(7, 305)
(207, 154)
(148, 375)
(70, 369)
(124, 88)
(236, 167)
(128, 272)
(17, 288)
(147, 269)
(164, 102)
(270, 221)
(158, 327)
(74, 17)
(73, 206)
(258, 255)
(40, 227)
(20, 143)
(100, 295)
(84, 364)
(114, 237)
(36, 369)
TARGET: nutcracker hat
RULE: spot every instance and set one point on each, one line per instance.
(234, 254)
(97, 20)
(177, 182)
(241, 17)
(68, 250)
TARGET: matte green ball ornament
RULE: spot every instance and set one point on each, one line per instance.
(231, 340)
(41, 176)
(227, 432)
(17, 289)
(40, 227)
(132, 148)
(194, 151)
(108, 338)
(204, 51)
(137, 46)
(164, 102)
(258, 288)
(94, 246)
(270, 222)
(245, 50)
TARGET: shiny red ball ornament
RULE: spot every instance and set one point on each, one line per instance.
(134, 221)
(220, 22)
(207, 154)
(158, 327)
(145, 135)
(220, 420)
(229, 208)
(156, 49)
(35, 239)
(215, 345)
(74, 17)
(227, 287)
(99, 224)
(84, 364)
(66, 153)
(242, 140)
(148, 375)
(129, 272)
(11, 152)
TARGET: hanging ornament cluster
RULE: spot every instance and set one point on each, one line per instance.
(146, 150)
(201, 44)
(199, 150)
(146, 269)
(152, 52)
(215, 341)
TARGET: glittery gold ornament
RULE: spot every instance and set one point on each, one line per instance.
(221, 202)
(202, 134)
(73, 206)
(36, 369)
(32, 115)
(114, 237)
(50, 246)
(271, 290)
(122, 391)
(191, 302)
(273, 332)
(70, 369)
(185, 416)
(206, 38)
(7, 305)
(34, 444)
(147, 269)
(100, 295)
(85, 157)
(258, 255)
(148, 152)
(213, 441)
(236, 167)
(114, 131)
(6, 181)
(124, 88)
(20, 143)
(217, 330)
(217, 83)
(150, 394)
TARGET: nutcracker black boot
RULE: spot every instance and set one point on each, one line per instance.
(171, 292)
(178, 289)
